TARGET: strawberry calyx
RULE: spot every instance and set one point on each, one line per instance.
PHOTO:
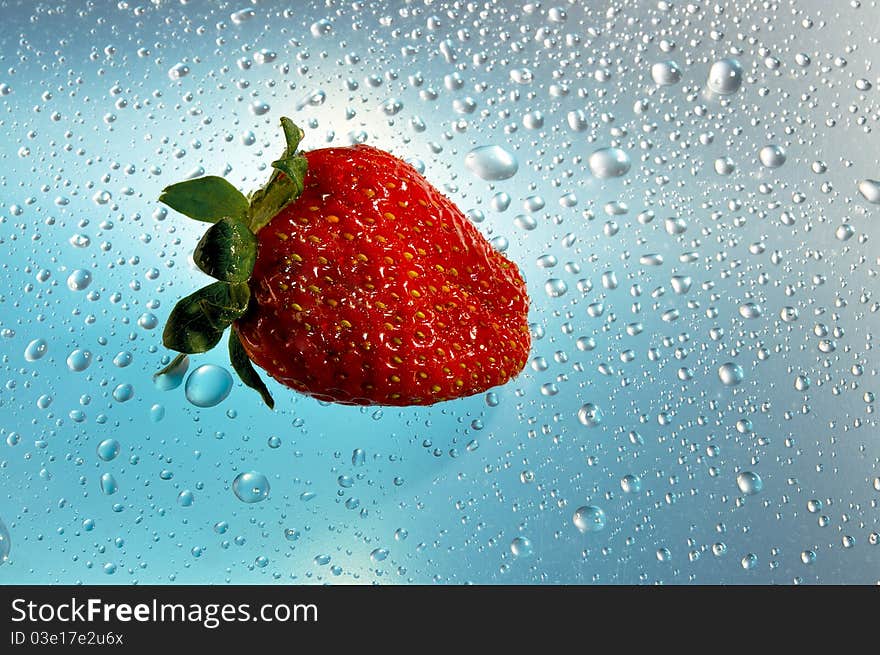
(227, 252)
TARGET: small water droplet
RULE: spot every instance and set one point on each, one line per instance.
(5, 542)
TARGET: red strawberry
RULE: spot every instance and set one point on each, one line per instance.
(350, 278)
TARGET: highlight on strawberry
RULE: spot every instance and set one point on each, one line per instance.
(348, 277)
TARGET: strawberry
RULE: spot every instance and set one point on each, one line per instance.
(350, 278)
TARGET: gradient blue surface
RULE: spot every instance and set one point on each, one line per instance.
(633, 312)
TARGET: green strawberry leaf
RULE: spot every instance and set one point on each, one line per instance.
(286, 183)
(242, 365)
(197, 322)
(293, 135)
(295, 169)
(206, 199)
(228, 251)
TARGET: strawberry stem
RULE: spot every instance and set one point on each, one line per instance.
(228, 252)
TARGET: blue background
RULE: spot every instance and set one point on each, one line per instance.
(95, 126)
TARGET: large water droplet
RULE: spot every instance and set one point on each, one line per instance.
(79, 360)
(108, 484)
(750, 310)
(609, 162)
(108, 449)
(665, 73)
(870, 190)
(631, 484)
(251, 487)
(725, 76)
(36, 349)
(730, 374)
(491, 163)
(521, 547)
(772, 156)
(749, 483)
(178, 71)
(208, 385)
(589, 518)
(79, 280)
(590, 415)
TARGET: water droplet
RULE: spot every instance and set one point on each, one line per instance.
(772, 156)
(79, 360)
(749, 483)
(379, 555)
(609, 162)
(108, 449)
(725, 76)
(521, 547)
(802, 382)
(577, 120)
(251, 487)
(731, 374)
(321, 28)
(108, 484)
(173, 378)
(185, 498)
(590, 415)
(555, 287)
(259, 108)
(178, 71)
(491, 163)
(589, 518)
(665, 73)
(724, 166)
(750, 310)
(242, 15)
(208, 385)
(5, 542)
(870, 190)
(631, 484)
(79, 280)
(123, 393)
(36, 349)
(681, 284)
